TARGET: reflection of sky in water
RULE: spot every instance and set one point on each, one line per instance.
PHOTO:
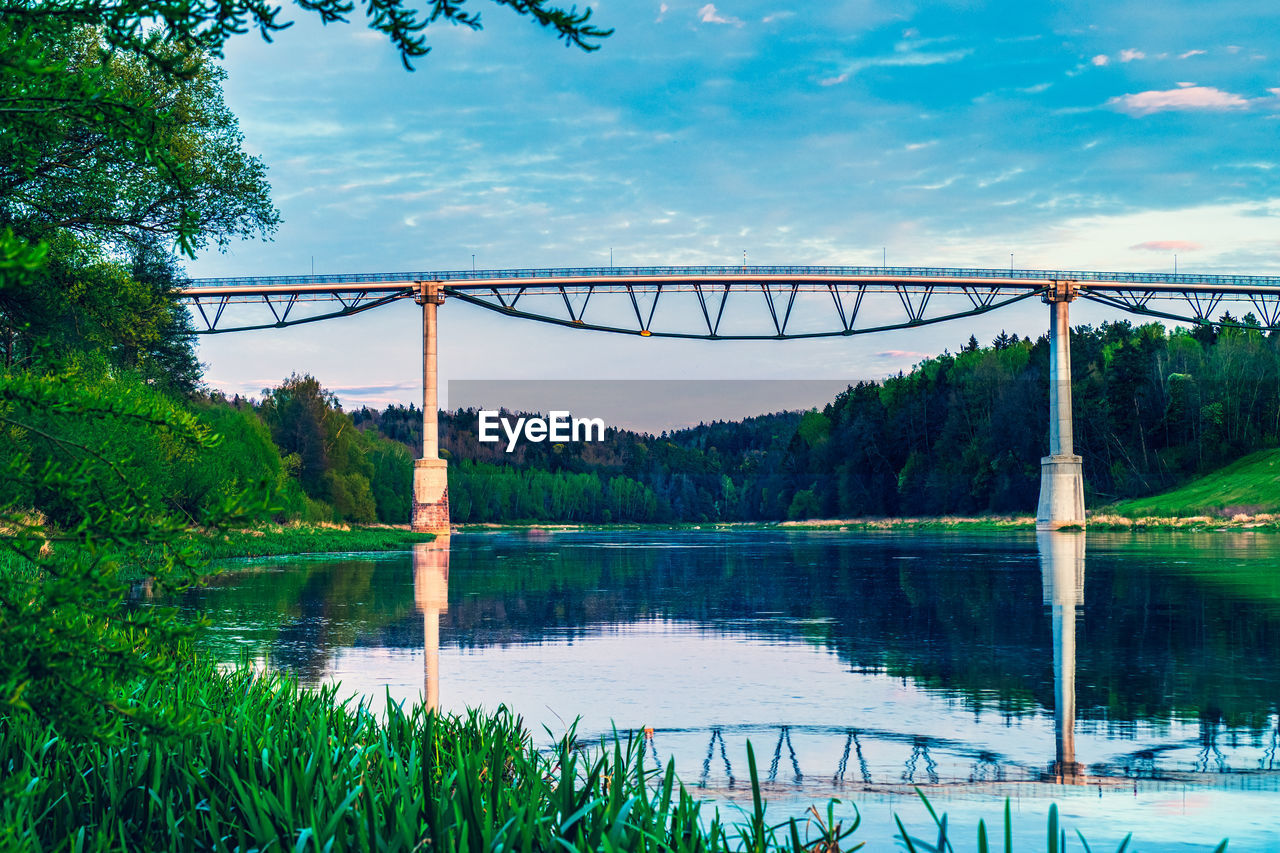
(688, 682)
(819, 724)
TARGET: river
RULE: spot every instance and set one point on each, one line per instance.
(1132, 679)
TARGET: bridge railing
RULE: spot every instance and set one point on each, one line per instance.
(1246, 282)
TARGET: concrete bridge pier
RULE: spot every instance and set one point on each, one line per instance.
(430, 511)
(1061, 472)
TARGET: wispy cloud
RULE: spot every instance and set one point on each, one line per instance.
(1130, 55)
(1186, 97)
(708, 14)
(903, 58)
(1167, 246)
(662, 11)
(1191, 53)
(777, 16)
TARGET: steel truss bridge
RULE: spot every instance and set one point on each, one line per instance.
(731, 302)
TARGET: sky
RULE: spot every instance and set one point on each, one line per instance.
(1073, 135)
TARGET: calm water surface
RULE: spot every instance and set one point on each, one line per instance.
(1131, 679)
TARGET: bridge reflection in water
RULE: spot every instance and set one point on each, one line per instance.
(431, 596)
(845, 756)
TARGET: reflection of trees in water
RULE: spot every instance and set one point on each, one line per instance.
(297, 618)
(1154, 644)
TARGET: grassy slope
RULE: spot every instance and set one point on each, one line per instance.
(1250, 485)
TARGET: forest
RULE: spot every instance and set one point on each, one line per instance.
(961, 434)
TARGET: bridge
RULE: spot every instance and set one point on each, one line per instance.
(708, 303)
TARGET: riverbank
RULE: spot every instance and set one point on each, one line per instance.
(275, 540)
(259, 762)
(268, 540)
(1104, 519)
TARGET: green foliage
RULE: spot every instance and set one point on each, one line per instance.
(347, 474)
(1250, 485)
(83, 492)
(107, 145)
(270, 765)
(481, 492)
(193, 26)
(82, 301)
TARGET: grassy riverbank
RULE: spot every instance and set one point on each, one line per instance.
(263, 764)
(1248, 487)
(259, 763)
(282, 539)
(272, 540)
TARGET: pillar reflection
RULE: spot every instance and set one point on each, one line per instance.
(431, 596)
(1062, 577)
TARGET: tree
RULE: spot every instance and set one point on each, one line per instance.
(113, 135)
(148, 157)
(148, 27)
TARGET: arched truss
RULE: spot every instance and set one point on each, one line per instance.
(780, 303)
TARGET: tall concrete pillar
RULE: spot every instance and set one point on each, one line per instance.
(1061, 472)
(431, 595)
(1062, 580)
(430, 473)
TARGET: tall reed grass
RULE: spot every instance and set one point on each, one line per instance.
(258, 764)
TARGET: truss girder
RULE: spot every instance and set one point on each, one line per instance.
(779, 292)
(1200, 308)
(778, 303)
(281, 307)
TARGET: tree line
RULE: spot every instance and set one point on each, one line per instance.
(962, 433)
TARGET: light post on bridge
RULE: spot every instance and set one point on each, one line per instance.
(430, 512)
(1061, 472)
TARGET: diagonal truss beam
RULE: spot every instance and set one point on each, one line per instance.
(778, 306)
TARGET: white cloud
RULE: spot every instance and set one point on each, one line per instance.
(1129, 55)
(708, 14)
(777, 16)
(662, 11)
(1183, 98)
(1191, 53)
(1036, 89)
(833, 81)
(1100, 60)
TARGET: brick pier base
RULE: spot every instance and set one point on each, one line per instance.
(430, 496)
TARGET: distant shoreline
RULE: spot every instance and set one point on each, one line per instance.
(1102, 521)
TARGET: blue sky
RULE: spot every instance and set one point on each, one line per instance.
(1078, 135)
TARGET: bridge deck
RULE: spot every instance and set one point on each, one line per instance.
(819, 276)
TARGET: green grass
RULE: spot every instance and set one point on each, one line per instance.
(277, 540)
(260, 764)
(262, 541)
(1248, 486)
